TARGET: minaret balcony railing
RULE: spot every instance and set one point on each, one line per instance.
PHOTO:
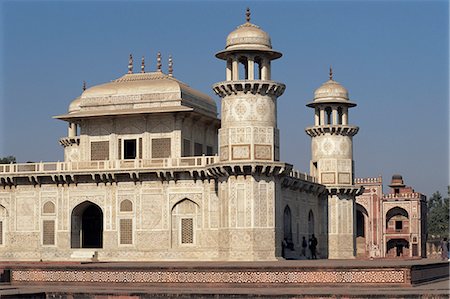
(344, 130)
(262, 87)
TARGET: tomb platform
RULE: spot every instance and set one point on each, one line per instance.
(279, 279)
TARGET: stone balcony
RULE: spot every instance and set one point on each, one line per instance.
(102, 171)
(109, 171)
(106, 165)
(345, 130)
(263, 87)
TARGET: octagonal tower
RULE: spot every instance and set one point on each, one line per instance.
(249, 97)
(248, 170)
(332, 163)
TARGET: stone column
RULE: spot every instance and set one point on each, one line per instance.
(345, 116)
(251, 68)
(235, 69)
(334, 115)
(322, 116)
(229, 71)
(265, 69)
(72, 130)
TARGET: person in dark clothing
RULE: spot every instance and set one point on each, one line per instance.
(313, 246)
(304, 245)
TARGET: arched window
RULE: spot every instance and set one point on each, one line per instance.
(287, 227)
(397, 219)
(243, 68)
(311, 223)
(328, 115)
(185, 216)
(126, 223)
(126, 206)
(48, 224)
(339, 111)
(48, 208)
(258, 68)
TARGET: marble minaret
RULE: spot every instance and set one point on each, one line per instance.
(332, 164)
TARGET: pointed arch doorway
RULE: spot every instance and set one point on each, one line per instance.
(87, 226)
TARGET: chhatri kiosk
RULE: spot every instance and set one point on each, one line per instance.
(151, 174)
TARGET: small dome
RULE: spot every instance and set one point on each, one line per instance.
(75, 105)
(331, 89)
(397, 181)
(248, 36)
(331, 92)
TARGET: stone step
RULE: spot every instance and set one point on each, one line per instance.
(84, 254)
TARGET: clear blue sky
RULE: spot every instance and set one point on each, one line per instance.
(392, 56)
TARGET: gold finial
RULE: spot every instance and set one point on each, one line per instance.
(331, 73)
(142, 65)
(130, 64)
(170, 66)
(158, 60)
(247, 15)
(84, 85)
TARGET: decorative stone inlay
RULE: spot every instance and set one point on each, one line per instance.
(344, 178)
(263, 152)
(328, 178)
(224, 153)
(240, 152)
(370, 276)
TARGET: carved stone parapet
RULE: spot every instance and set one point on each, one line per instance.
(261, 87)
(302, 185)
(377, 180)
(345, 190)
(344, 130)
(68, 141)
(404, 196)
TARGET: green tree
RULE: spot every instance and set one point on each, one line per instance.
(8, 160)
(438, 215)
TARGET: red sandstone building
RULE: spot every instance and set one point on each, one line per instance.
(390, 225)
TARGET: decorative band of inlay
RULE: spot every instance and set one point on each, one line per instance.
(247, 277)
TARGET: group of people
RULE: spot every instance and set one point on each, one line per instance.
(311, 244)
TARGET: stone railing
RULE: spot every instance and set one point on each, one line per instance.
(404, 195)
(368, 180)
(263, 87)
(345, 130)
(44, 167)
(302, 176)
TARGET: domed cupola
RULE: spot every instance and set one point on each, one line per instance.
(331, 92)
(248, 37)
(331, 103)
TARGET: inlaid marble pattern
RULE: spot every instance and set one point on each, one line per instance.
(370, 276)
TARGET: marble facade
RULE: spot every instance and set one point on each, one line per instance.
(151, 173)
